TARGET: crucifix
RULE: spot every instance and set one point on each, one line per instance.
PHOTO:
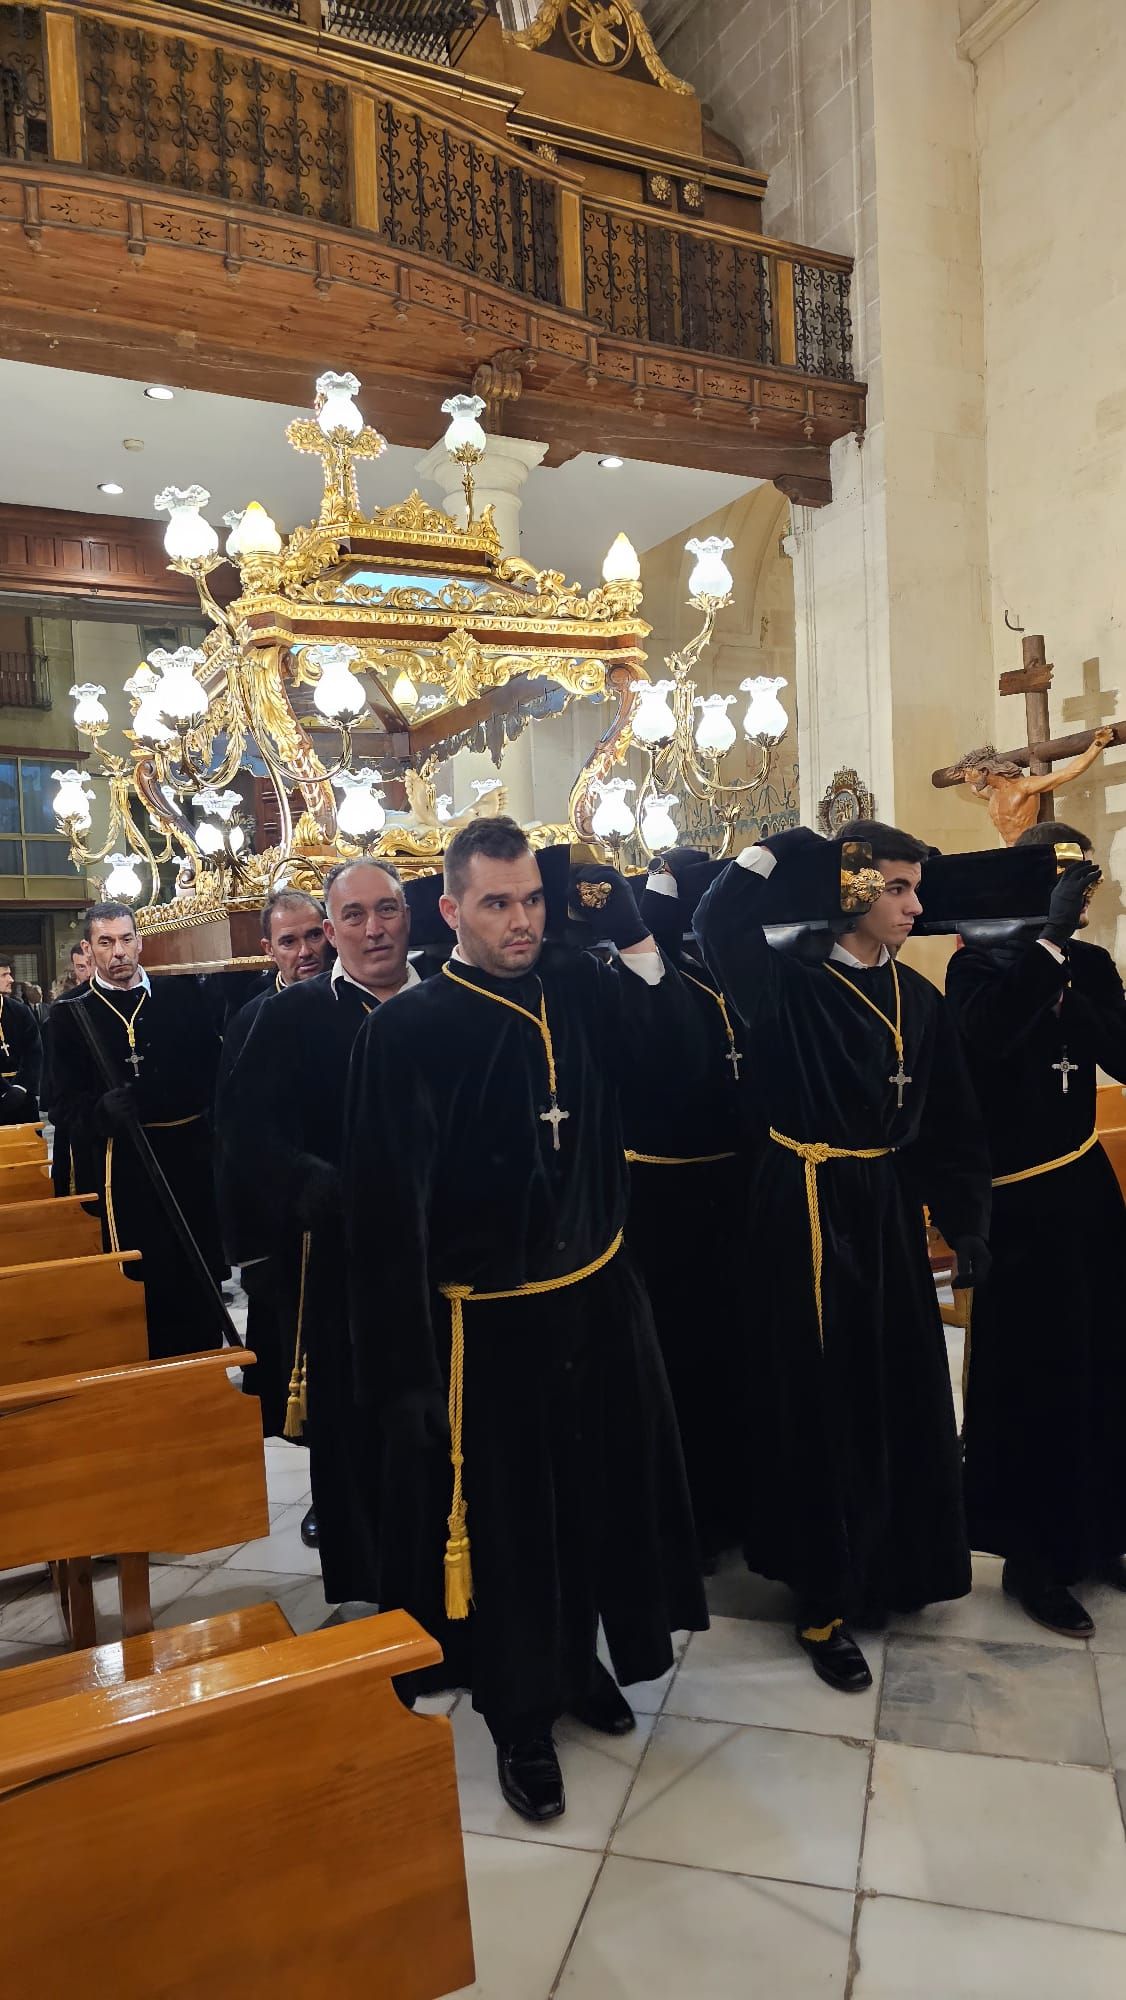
(1013, 800)
(554, 1118)
(901, 1081)
(134, 1060)
(1065, 1068)
(734, 1058)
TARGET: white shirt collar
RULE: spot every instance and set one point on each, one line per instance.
(338, 974)
(107, 987)
(844, 957)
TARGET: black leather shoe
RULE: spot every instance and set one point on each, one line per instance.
(530, 1778)
(605, 1708)
(838, 1660)
(1113, 1572)
(310, 1533)
(1047, 1603)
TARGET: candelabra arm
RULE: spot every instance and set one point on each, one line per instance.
(199, 568)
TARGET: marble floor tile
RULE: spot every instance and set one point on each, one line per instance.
(525, 1900)
(737, 1592)
(915, 1951)
(597, 1774)
(1040, 1702)
(647, 1697)
(985, 1614)
(22, 1653)
(744, 1670)
(281, 1549)
(654, 1932)
(287, 1472)
(35, 1617)
(1111, 1670)
(767, 1802)
(300, 1597)
(996, 1833)
(1108, 1609)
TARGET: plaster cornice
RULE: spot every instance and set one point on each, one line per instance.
(998, 18)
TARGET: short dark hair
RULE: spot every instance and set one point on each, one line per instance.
(78, 949)
(888, 843)
(1050, 833)
(287, 899)
(5, 961)
(497, 839)
(341, 868)
(107, 913)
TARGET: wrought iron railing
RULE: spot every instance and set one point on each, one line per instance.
(450, 198)
(23, 85)
(25, 680)
(823, 321)
(433, 30)
(650, 280)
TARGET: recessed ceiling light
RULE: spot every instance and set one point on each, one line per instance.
(612, 463)
(157, 393)
(109, 486)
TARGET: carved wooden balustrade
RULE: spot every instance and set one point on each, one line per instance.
(214, 119)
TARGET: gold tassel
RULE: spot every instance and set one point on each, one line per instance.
(297, 1404)
(459, 1566)
(295, 1407)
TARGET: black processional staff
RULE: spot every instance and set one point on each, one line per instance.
(196, 1260)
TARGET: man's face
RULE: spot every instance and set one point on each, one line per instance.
(116, 950)
(6, 977)
(500, 915)
(891, 920)
(370, 925)
(81, 962)
(297, 943)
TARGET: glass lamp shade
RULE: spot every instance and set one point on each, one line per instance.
(658, 827)
(148, 726)
(335, 409)
(622, 564)
(715, 733)
(218, 805)
(188, 537)
(404, 694)
(338, 695)
(90, 711)
(180, 699)
(122, 882)
(711, 576)
(209, 837)
(72, 799)
(465, 433)
(253, 533)
(360, 813)
(653, 718)
(444, 806)
(766, 720)
(613, 816)
(236, 840)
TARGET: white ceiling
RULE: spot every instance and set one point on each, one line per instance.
(62, 432)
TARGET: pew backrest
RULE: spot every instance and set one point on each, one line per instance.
(70, 1316)
(25, 1180)
(34, 1232)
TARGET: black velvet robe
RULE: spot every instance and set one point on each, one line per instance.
(855, 1474)
(282, 1104)
(74, 1168)
(1045, 1430)
(21, 1062)
(179, 1053)
(574, 1478)
(268, 1292)
(686, 1226)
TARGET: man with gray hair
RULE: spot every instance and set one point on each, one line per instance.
(282, 1115)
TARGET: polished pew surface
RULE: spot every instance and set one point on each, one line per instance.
(268, 1825)
(19, 1136)
(27, 1180)
(69, 1316)
(34, 1232)
(162, 1455)
(123, 1661)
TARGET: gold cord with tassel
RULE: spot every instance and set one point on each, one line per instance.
(297, 1406)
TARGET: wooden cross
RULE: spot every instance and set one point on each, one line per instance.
(1065, 1068)
(554, 1118)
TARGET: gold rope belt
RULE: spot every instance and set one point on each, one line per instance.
(459, 1566)
(1048, 1166)
(814, 1154)
(671, 1160)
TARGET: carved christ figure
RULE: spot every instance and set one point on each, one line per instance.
(1011, 795)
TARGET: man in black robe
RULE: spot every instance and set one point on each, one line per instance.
(680, 1094)
(866, 1114)
(282, 1116)
(485, 1140)
(21, 1055)
(163, 1052)
(293, 936)
(70, 1173)
(1046, 1393)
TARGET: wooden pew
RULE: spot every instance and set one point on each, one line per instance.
(20, 1136)
(28, 1180)
(69, 1316)
(160, 1455)
(268, 1823)
(35, 1232)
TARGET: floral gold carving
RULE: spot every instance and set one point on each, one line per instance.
(604, 24)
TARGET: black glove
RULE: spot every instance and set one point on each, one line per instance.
(678, 862)
(116, 1111)
(318, 1197)
(603, 900)
(973, 1262)
(419, 1420)
(9, 1090)
(789, 840)
(1068, 900)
